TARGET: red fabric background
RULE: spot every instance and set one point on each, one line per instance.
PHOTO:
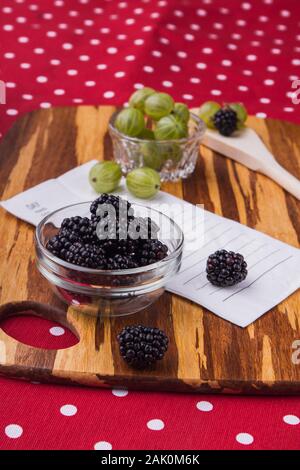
(68, 52)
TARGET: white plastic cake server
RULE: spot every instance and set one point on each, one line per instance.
(247, 148)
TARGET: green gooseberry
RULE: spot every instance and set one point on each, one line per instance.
(207, 111)
(182, 112)
(104, 177)
(241, 112)
(152, 155)
(158, 105)
(130, 121)
(143, 183)
(146, 134)
(171, 151)
(137, 99)
(169, 128)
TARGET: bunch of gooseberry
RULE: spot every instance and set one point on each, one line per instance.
(153, 116)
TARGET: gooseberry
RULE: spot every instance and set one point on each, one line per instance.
(137, 99)
(105, 177)
(130, 121)
(158, 105)
(143, 183)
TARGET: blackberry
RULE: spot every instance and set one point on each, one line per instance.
(77, 229)
(226, 268)
(142, 228)
(225, 120)
(151, 251)
(141, 346)
(118, 203)
(86, 255)
(121, 262)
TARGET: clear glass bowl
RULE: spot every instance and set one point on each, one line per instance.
(174, 159)
(107, 292)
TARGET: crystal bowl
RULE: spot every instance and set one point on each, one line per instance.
(174, 159)
(108, 292)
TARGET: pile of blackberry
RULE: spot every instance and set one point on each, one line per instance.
(226, 268)
(141, 346)
(113, 238)
(225, 120)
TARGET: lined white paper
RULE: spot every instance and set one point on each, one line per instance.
(273, 266)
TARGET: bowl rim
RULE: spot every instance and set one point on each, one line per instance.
(199, 133)
(107, 272)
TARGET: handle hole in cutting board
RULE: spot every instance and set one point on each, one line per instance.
(38, 332)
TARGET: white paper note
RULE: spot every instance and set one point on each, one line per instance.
(273, 266)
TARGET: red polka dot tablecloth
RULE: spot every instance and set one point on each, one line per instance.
(67, 52)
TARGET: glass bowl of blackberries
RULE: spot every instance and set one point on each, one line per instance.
(108, 257)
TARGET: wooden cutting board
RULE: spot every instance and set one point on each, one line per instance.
(206, 354)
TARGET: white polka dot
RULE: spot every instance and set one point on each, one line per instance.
(275, 51)
(138, 42)
(251, 57)
(27, 97)
(25, 65)
(130, 58)
(255, 43)
(272, 68)
(178, 13)
(90, 83)
(269, 82)
(7, 9)
(195, 80)
(33, 7)
(261, 115)
(14, 431)
(156, 53)
(9, 55)
(263, 19)
(221, 77)
(204, 406)
(11, 112)
(67, 46)
(138, 11)
(130, 21)
(51, 34)
(155, 14)
(175, 68)
(68, 410)
(201, 66)
(291, 419)
(72, 72)
(41, 79)
(195, 27)
(236, 36)
(187, 97)
(147, 28)
(8, 27)
(148, 69)
(167, 84)
(155, 424)
(88, 22)
(201, 12)
(120, 74)
(77, 100)
(59, 92)
(78, 31)
(98, 11)
(242, 88)
(207, 50)
(285, 13)
(241, 22)
(244, 438)
(56, 330)
(164, 41)
(296, 62)
(47, 16)
(104, 30)
(55, 62)
(112, 50)
(278, 41)
(224, 11)
(171, 27)
(216, 92)
(103, 445)
(10, 85)
(246, 6)
(45, 105)
(39, 50)
(226, 63)
(73, 13)
(84, 58)
(23, 39)
(119, 392)
(108, 94)
(288, 109)
(182, 54)
(293, 77)
(138, 86)
(281, 27)
(248, 73)
(121, 37)
(189, 37)
(265, 100)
